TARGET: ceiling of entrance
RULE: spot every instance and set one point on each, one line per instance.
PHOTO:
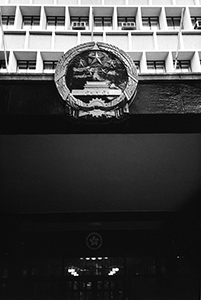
(98, 173)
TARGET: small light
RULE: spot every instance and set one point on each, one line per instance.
(71, 270)
(105, 257)
(100, 258)
(87, 258)
(178, 257)
(81, 258)
(93, 258)
(116, 269)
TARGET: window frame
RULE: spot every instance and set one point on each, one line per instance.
(55, 21)
(10, 20)
(2, 64)
(79, 19)
(121, 20)
(173, 24)
(31, 21)
(194, 19)
(51, 63)
(180, 64)
(149, 21)
(29, 64)
(137, 64)
(155, 64)
(103, 21)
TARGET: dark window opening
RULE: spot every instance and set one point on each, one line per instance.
(26, 64)
(55, 21)
(137, 64)
(150, 22)
(31, 21)
(49, 64)
(156, 66)
(2, 64)
(173, 22)
(8, 20)
(121, 20)
(79, 20)
(182, 65)
(103, 21)
(196, 22)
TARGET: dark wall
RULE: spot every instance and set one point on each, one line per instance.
(153, 97)
(175, 243)
(31, 106)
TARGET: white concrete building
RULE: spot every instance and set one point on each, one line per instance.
(37, 32)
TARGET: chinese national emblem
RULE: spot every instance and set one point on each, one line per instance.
(96, 80)
(94, 241)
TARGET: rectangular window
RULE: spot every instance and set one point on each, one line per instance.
(182, 66)
(151, 23)
(55, 22)
(79, 20)
(196, 22)
(31, 21)
(8, 21)
(49, 64)
(2, 65)
(137, 64)
(26, 65)
(173, 22)
(103, 21)
(156, 66)
(121, 20)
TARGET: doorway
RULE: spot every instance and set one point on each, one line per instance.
(98, 278)
(95, 289)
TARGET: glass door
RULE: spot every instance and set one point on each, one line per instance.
(95, 278)
(96, 289)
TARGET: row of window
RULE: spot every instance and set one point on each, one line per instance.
(54, 21)
(152, 66)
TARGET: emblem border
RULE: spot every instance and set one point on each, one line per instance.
(87, 240)
(77, 107)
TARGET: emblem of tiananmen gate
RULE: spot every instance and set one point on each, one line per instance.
(96, 80)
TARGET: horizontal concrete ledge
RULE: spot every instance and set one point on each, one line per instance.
(142, 77)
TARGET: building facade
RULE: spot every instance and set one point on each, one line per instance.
(45, 30)
(92, 208)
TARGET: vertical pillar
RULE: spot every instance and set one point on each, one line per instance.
(39, 62)
(91, 18)
(139, 19)
(169, 63)
(195, 62)
(162, 19)
(43, 20)
(67, 19)
(12, 62)
(79, 37)
(129, 41)
(143, 63)
(187, 20)
(53, 40)
(26, 44)
(155, 40)
(18, 18)
(114, 18)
